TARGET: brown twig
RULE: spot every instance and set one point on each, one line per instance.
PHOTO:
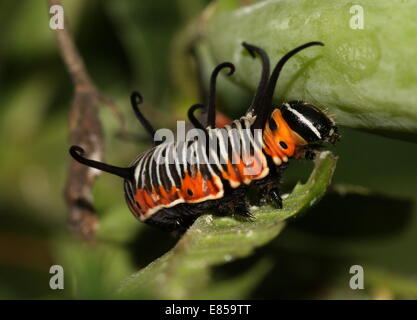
(85, 130)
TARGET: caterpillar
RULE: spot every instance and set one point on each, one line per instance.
(164, 188)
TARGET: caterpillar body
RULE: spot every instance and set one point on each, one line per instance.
(174, 182)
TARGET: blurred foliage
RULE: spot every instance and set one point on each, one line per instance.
(368, 217)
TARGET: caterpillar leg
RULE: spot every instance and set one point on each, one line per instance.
(174, 220)
(269, 193)
(244, 212)
(235, 203)
(275, 197)
(234, 209)
(269, 190)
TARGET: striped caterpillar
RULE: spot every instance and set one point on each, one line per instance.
(164, 188)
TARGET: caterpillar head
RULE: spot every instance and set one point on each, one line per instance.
(296, 129)
(310, 123)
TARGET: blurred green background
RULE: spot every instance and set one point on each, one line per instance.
(367, 218)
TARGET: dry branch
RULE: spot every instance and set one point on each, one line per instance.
(85, 130)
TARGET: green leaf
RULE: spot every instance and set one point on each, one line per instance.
(365, 77)
(239, 286)
(185, 270)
